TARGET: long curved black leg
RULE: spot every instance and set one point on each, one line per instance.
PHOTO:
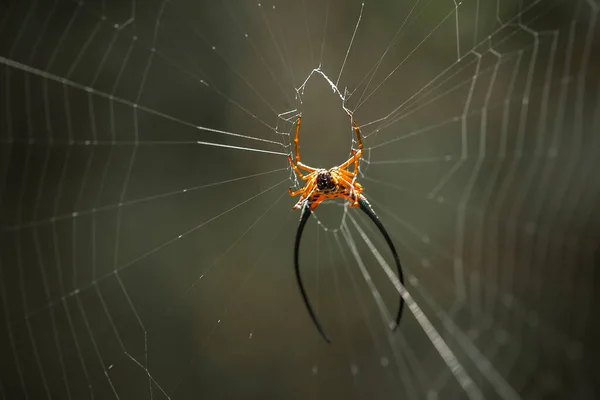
(303, 218)
(367, 209)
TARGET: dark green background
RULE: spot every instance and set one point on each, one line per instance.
(481, 159)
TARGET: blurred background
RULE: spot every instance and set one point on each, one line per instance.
(146, 232)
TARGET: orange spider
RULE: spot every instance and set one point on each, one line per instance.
(322, 184)
(325, 184)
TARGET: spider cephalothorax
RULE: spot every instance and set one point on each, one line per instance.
(325, 182)
(337, 182)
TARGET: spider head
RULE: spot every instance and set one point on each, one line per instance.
(325, 182)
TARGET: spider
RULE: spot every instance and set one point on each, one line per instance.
(337, 182)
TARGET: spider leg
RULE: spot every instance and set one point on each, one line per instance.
(354, 159)
(348, 174)
(358, 137)
(306, 211)
(297, 152)
(355, 154)
(367, 209)
(295, 167)
(306, 192)
(350, 199)
(354, 189)
(306, 167)
(356, 164)
(296, 146)
(296, 193)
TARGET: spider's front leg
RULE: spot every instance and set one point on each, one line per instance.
(356, 155)
(296, 144)
(298, 163)
(354, 159)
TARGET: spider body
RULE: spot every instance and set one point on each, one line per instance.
(322, 184)
(337, 182)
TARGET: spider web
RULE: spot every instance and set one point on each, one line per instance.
(146, 231)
